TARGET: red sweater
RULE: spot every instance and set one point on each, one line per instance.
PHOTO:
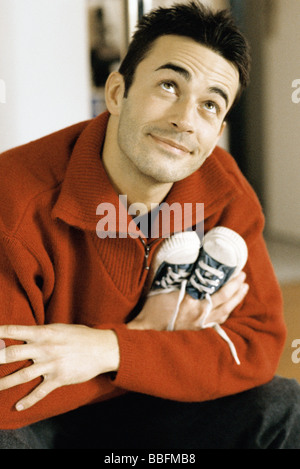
(54, 268)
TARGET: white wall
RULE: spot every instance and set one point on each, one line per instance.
(45, 65)
(282, 121)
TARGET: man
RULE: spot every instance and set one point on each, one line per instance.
(75, 338)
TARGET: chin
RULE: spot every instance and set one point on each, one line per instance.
(167, 178)
(167, 173)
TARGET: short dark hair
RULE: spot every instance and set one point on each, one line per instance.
(214, 29)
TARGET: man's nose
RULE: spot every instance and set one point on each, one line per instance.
(182, 117)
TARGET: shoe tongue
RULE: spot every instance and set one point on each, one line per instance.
(221, 252)
(211, 262)
(163, 269)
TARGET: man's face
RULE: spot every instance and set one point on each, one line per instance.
(174, 113)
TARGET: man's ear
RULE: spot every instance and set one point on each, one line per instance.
(114, 93)
(222, 129)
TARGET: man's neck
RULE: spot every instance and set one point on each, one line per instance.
(127, 180)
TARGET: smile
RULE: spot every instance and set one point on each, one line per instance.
(170, 145)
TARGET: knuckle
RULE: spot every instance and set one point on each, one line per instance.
(224, 318)
(11, 353)
(52, 351)
(51, 332)
(229, 291)
(25, 374)
(10, 330)
(46, 330)
(226, 309)
(40, 393)
(51, 328)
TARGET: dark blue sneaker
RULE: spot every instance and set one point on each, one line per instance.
(223, 255)
(174, 262)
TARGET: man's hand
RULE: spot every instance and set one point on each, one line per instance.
(69, 354)
(158, 309)
(62, 354)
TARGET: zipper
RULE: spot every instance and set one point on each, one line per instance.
(147, 249)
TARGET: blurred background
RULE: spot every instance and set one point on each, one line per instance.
(55, 56)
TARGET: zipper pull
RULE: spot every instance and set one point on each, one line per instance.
(147, 252)
(147, 248)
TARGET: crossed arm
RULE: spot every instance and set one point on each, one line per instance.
(70, 354)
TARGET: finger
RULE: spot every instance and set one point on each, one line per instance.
(22, 376)
(231, 304)
(39, 393)
(221, 313)
(17, 353)
(228, 290)
(23, 333)
(207, 308)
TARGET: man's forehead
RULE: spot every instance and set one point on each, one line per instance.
(170, 48)
(194, 58)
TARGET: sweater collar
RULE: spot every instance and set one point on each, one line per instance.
(86, 186)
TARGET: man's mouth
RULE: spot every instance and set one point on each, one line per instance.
(171, 145)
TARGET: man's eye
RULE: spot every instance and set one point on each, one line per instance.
(211, 107)
(168, 86)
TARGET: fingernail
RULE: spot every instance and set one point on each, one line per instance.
(19, 407)
(245, 288)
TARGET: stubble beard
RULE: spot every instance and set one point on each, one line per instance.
(160, 167)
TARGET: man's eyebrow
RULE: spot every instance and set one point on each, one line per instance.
(186, 75)
(219, 91)
(176, 68)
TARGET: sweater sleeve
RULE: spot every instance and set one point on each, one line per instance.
(198, 365)
(25, 287)
(17, 269)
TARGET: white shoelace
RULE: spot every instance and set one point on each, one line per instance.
(207, 284)
(207, 287)
(168, 282)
